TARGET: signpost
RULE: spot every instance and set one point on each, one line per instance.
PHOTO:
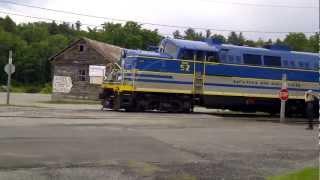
(283, 96)
(9, 69)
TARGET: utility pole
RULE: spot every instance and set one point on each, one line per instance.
(283, 97)
(9, 69)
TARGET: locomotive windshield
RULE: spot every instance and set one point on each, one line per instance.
(170, 49)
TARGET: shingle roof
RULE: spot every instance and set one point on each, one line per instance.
(109, 52)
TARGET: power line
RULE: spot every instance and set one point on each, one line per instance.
(147, 23)
(261, 5)
(56, 20)
(46, 19)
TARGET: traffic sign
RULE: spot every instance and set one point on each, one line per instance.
(8, 67)
(284, 94)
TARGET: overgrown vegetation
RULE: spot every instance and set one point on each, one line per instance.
(34, 43)
(305, 174)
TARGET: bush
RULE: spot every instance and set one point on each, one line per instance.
(47, 89)
(3, 89)
(32, 89)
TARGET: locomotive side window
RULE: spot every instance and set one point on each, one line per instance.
(238, 59)
(170, 49)
(274, 61)
(252, 59)
(230, 59)
(186, 54)
(200, 56)
(213, 57)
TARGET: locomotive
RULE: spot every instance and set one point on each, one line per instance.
(183, 74)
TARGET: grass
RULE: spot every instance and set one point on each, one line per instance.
(18, 88)
(142, 168)
(305, 174)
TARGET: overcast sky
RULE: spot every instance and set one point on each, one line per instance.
(216, 14)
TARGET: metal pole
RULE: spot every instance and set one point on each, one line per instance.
(283, 103)
(9, 77)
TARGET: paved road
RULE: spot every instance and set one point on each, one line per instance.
(81, 142)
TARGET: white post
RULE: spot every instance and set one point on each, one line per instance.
(283, 103)
(9, 77)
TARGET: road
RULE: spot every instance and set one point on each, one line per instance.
(74, 142)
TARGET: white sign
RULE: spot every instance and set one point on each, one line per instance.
(96, 80)
(62, 84)
(7, 68)
(97, 71)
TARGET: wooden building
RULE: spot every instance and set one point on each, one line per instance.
(70, 67)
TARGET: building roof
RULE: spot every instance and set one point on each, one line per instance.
(109, 52)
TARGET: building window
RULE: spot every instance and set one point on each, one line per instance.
(274, 61)
(252, 59)
(81, 48)
(82, 75)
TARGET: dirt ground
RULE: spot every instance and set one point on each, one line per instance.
(42, 141)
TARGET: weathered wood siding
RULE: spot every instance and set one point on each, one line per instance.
(70, 63)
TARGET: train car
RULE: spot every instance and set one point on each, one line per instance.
(186, 73)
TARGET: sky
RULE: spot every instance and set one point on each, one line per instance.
(237, 15)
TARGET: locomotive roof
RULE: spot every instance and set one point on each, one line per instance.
(145, 53)
(196, 45)
(206, 46)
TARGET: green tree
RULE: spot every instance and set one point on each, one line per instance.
(236, 39)
(314, 42)
(191, 34)
(177, 35)
(219, 37)
(296, 41)
(8, 24)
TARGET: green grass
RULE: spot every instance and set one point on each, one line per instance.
(18, 88)
(305, 174)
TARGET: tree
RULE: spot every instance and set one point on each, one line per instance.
(78, 25)
(296, 41)
(191, 34)
(236, 39)
(8, 24)
(176, 34)
(208, 33)
(219, 37)
(53, 28)
(314, 43)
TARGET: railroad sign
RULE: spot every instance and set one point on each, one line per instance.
(284, 94)
(7, 68)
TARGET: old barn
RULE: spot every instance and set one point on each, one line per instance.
(72, 78)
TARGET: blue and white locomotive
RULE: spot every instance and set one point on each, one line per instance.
(186, 73)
